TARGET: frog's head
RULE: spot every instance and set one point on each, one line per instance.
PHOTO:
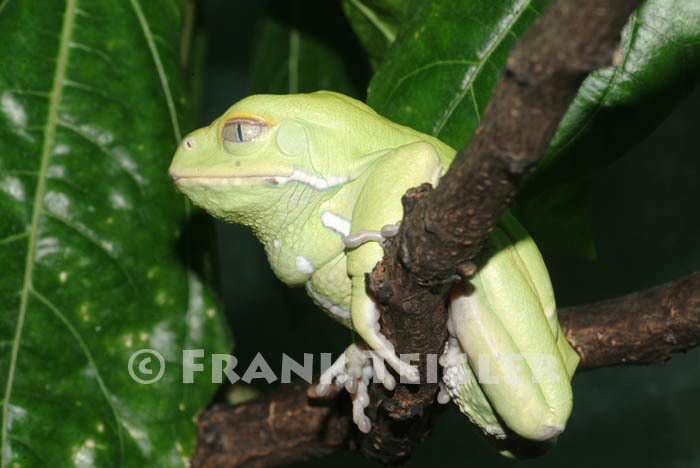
(239, 163)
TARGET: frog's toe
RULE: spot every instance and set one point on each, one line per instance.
(385, 350)
(381, 374)
(335, 374)
(390, 230)
(450, 357)
(353, 370)
(443, 396)
(360, 401)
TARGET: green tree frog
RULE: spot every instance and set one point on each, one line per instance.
(319, 179)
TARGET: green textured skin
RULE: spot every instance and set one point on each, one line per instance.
(511, 312)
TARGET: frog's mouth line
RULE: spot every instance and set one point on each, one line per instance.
(313, 181)
(222, 181)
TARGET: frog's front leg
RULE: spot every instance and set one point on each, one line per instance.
(379, 206)
(353, 370)
(360, 237)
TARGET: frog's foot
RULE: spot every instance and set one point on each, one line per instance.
(354, 369)
(364, 235)
(451, 362)
(460, 384)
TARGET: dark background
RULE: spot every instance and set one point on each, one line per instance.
(646, 225)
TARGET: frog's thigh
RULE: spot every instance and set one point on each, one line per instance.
(379, 204)
(506, 347)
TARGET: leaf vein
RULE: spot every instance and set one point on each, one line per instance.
(91, 361)
(103, 149)
(420, 69)
(472, 76)
(86, 234)
(49, 135)
(14, 237)
(159, 68)
(372, 17)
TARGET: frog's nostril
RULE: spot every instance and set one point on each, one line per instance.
(190, 143)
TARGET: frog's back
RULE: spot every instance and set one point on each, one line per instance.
(404, 135)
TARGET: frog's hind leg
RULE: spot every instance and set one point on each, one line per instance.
(507, 361)
(460, 384)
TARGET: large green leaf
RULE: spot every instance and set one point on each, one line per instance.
(304, 46)
(90, 95)
(658, 64)
(438, 76)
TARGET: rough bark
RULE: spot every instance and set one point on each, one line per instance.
(281, 427)
(645, 327)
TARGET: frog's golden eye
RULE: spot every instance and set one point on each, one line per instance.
(240, 130)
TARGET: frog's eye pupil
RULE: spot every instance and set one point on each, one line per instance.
(241, 130)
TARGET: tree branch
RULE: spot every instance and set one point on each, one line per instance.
(288, 424)
(283, 426)
(444, 229)
(645, 327)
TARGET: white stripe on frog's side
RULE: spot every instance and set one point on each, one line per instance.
(304, 266)
(336, 310)
(276, 244)
(313, 181)
(335, 223)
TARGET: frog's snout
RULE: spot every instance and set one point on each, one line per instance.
(187, 145)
